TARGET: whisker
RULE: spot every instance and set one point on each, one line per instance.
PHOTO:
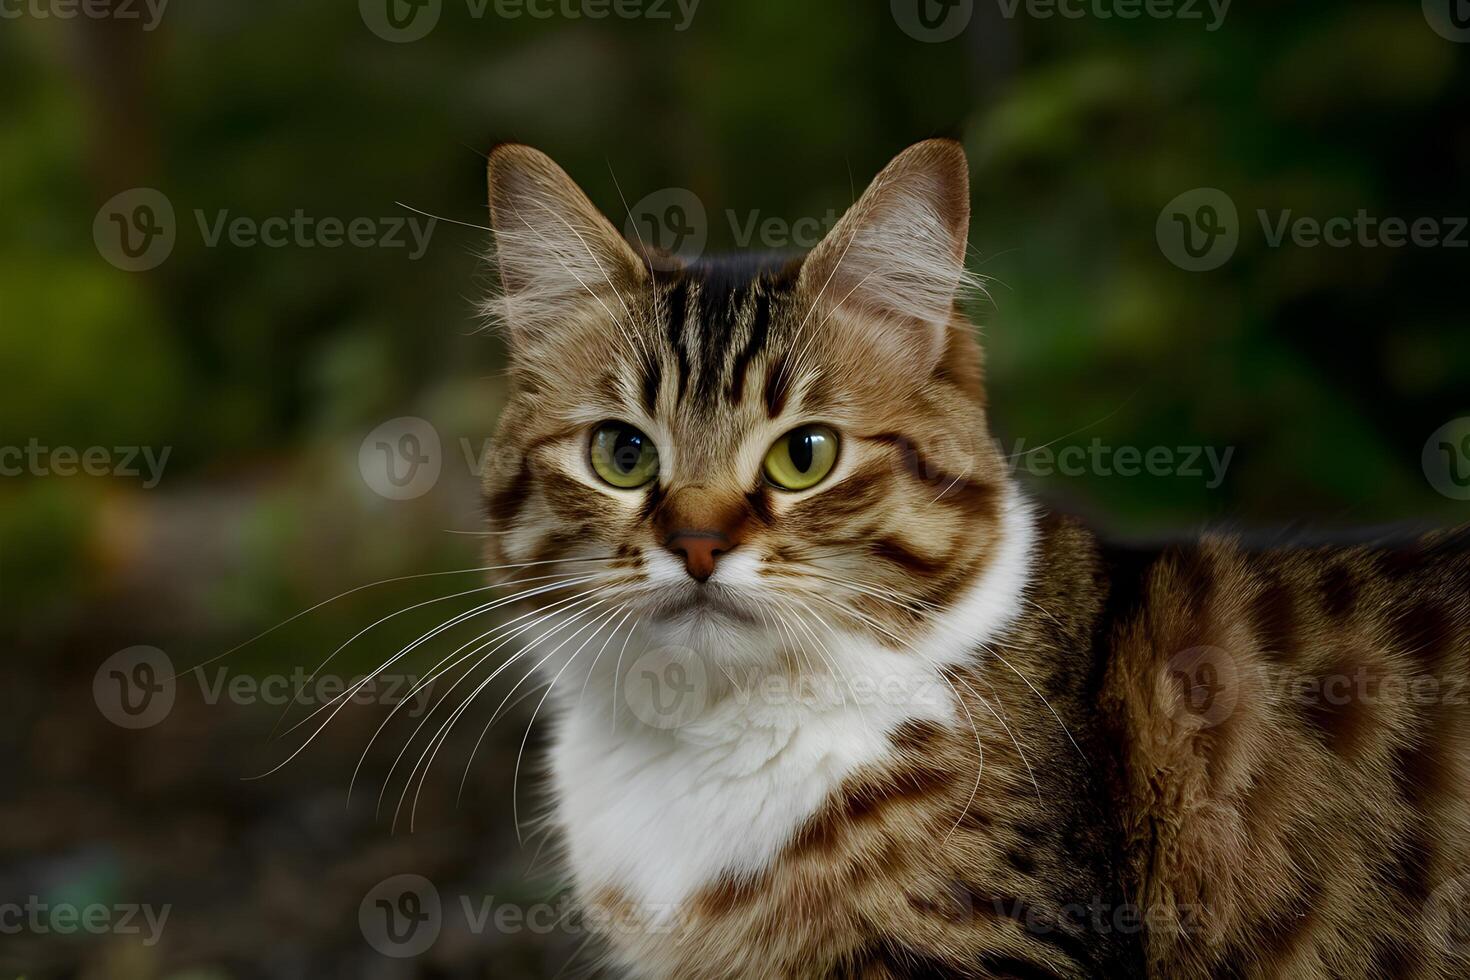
(566, 580)
(340, 702)
(439, 670)
(387, 581)
(979, 766)
(493, 642)
(515, 811)
(596, 659)
(454, 717)
(986, 705)
(1044, 701)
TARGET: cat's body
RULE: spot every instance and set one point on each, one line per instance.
(899, 722)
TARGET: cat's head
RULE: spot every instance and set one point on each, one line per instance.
(744, 454)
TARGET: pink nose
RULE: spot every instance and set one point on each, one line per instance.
(700, 550)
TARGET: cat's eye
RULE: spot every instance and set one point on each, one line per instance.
(623, 456)
(802, 457)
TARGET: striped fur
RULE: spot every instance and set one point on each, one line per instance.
(1203, 760)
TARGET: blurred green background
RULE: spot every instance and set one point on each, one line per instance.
(262, 369)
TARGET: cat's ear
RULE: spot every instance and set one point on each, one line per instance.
(556, 251)
(895, 262)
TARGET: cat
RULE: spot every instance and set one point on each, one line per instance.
(833, 698)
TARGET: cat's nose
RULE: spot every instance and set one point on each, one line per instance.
(700, 550)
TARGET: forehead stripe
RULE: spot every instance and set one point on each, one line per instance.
(678, 313)
(759, 328)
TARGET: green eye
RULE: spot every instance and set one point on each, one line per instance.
(623, 456)
(802, 457)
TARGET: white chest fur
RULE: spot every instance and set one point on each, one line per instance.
(659, 813)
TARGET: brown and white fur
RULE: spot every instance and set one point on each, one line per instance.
(935, 731)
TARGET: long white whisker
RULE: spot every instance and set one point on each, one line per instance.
(497, 638)
(449, 725)
(438, 670)
(994, 653)
(979, 766)
(496, 714)
(586, 680)
(515, 811)
(565, 581)
(1000, 718)
(360, 588)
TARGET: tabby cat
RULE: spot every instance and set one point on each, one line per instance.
(834, 699)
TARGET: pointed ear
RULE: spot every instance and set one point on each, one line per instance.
(895, 262)
(557, 253)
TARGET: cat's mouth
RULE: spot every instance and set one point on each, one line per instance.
(704, 601)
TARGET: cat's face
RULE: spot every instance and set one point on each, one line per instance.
(743, 457)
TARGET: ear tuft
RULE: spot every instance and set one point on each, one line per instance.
(555, 251)
(897, 257)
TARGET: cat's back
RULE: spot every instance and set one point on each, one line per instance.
(1295, 765)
